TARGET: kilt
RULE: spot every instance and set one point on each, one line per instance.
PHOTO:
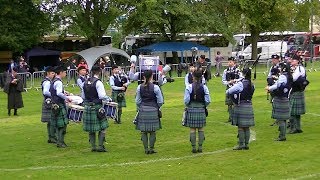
(242, 115)
(147, 119)
(91, 123)
(61, 120)
(280, 108)
(46, 113)
(122, 102)
(297, 103)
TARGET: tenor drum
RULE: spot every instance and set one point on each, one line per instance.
(75, 113)
(111, 109)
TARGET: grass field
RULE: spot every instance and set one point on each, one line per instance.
(26, 154)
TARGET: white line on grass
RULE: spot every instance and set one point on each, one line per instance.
(305, 176)
(115, 164)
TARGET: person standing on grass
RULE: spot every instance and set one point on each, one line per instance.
(47, 105)
(94, 118)
(119, 85)
(219, 58)
(280, 104)
(242, 116)
(189, 77)
(13, 87)
(297, 99)
(148, 99)
(196, 98)
(230, 76)
(82, 71)
(59, 111)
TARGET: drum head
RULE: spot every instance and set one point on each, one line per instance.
(75, 99)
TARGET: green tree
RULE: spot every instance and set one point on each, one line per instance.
(22, 25)
(263, 15)
(89, 18)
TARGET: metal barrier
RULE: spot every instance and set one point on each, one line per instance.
(26, 80)
(72, 75)
(37, 78)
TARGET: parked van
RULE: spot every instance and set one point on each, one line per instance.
(265, 49)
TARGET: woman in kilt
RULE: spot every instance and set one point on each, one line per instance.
(196, 98)
(94, 119)
(297, 100)
(47, 105)
(148, 99)
(243, 117)
(280, 104)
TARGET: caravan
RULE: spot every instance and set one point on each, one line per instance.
(265, 49)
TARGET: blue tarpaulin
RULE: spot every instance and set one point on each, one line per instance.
(172, 46)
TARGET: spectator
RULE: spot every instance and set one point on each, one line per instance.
(219, 58)
(12, 65)
(83, 63)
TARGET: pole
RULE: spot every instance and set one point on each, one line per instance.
(311, 33)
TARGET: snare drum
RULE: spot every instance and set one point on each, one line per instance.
(75, 113)
(111, 109)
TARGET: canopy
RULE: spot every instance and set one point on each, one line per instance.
(172, 46)
(39, 51)
(91, 55)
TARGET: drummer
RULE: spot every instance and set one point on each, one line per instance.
(134, 76)
(94, 119)
(119, 85)
(82, 71)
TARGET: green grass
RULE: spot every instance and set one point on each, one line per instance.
(25, 153)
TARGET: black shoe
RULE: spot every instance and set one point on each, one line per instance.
(199, 150)
(146, 151)
(61, 146)
(93, 150)
(293, 132)
(246, 148)
(52, 141)
(151, 151)
(299, 131)
(239, 148)
(281, 139)
(65, 144)
(102, 149)
(194, 151)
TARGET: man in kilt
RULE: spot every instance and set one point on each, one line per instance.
(94, 118)
(196, 98)
(280, 104)
(242, 116)
(59, 111)
(230, 76)
(148, 99)
(297, 100)
(82, 71)
(119, 86)
(47, 104)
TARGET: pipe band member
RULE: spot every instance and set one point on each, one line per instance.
(82, 71)
(230, 76)
(119, 85)
(59, 110)
(136, 76)
(47, 104)
(242, 116)
(189, 77)
(148, 99)
(280, 104)
(94, 118)
(274, 72)
(297, 99)
(196, 99)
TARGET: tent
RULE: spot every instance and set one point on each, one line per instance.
(173, 46)
(91, 55)
(39, 57)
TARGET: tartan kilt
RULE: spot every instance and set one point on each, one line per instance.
(195, 117)
(228, 100)
(242, 115)
(122, 103)
(280, 108)
(147, 119)
(46, 113)
(297, 103)
(61, 120)
(91, 123)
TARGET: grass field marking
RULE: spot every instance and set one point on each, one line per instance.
(305, 176)
(115, 164)
(313, 114)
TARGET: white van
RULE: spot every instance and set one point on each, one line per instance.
(265, 49)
